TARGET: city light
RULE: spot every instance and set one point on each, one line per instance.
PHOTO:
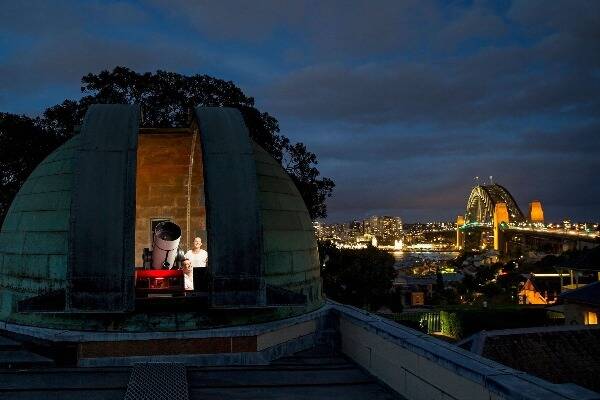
(389, 233)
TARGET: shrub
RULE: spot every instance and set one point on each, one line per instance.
(462, 323)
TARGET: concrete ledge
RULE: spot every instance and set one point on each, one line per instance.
(419, 366)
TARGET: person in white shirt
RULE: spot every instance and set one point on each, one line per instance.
(197, 255)
(188, 275)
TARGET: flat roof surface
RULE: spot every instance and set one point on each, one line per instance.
(318, 373)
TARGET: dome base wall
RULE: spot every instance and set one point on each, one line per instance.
(235, 345)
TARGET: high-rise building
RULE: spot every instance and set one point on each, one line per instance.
(385, 228)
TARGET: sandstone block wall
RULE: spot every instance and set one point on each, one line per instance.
(163, 181)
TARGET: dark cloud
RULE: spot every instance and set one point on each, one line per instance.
(497, 83)
(581, 18)
(331, 28)
(436, 146)
(358, 29)
(439, 188)
(581, 140)
(39, 19)
(404, 102)
(55, 44)
(67, 59)
(538, 74)
(234, 20)
(471, 24)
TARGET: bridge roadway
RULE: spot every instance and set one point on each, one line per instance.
(533, 236)
(570, 234)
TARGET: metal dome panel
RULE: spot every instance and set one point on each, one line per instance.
(232, 210)
(101, 234)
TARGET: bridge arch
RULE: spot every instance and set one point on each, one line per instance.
(483, 200)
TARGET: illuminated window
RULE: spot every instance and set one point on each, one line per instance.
(591, 318)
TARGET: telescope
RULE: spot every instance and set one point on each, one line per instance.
(165, 252)
(161, 275)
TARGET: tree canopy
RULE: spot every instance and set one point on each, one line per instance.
(362, 278)
(167, 99)
(23, 144)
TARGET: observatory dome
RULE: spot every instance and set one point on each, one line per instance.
(71, 244)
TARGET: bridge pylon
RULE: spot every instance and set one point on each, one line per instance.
(500, 216)
(460, 235)
(536, 212)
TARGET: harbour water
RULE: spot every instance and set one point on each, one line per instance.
(407, 259)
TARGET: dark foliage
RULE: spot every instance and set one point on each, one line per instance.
(462, 323)
(167, 99)
(395, 301)
(301, 165)
(416, 325)
(24, 143)
(362, 278)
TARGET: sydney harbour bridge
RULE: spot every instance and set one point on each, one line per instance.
(493, 219)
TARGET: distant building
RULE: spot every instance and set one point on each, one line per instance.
(356, 227)
(582, 306)
(384, 231)
(387, 229)
(529, 294)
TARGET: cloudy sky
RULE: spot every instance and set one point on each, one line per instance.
(404, 102)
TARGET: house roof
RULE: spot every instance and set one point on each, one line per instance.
(589, 294)
(558, 354)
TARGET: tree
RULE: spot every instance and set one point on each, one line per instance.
(363, 278)
(485, 273)
(301, 165)
(439, 280)
(167, 99)
(23, 145)
(395, 301)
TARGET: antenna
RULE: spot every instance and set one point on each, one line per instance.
(491, 180)
(476, 181)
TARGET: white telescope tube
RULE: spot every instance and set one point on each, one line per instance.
(164, 245)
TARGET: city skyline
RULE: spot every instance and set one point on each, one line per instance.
(402, 214)
(404, 103)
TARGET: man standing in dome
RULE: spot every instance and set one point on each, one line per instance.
(197, 255)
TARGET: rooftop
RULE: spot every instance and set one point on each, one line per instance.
(317, 373)
(335, 351)
(558, 354)
(589, 294)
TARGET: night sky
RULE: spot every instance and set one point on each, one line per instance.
(404, 102)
